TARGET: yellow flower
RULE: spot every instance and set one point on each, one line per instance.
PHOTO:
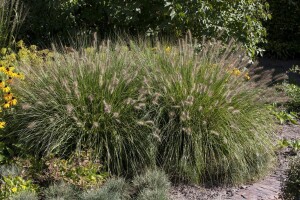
(20, 76)
(9, 80)
(2, 124)
(14, 189)
(2, 69)
(236, 72)
(247, 77)
(13, 101)
(2, 84)
(6, 105)
(8, 96)
(168, 49)
(6, 89)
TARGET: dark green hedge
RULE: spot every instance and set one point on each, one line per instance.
(284, 28)
(235, 18)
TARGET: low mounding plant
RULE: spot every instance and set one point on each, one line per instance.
(153, 184)
(291, 186)
(79, 170)
(61, 191)
(91, 100)
(26, 195)
(113, 189)
(214, 127)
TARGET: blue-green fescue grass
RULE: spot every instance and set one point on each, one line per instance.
(115, 188)
(152, 184)
(61, 190)
(25, 195)
(89, 99)
(213, 125)
(181, 108)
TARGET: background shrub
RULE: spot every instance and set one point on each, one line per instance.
(284, 28)
(11, 17)
(222, 19)
(291, 186)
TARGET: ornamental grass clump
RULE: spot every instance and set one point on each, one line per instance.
(87, 100)
(213, 126)
(192, 111)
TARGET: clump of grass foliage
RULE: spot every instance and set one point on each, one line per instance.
(61, 190)
(153, 184)
(25, 195)
(88, 99)
(189, 111)
(113, 189)
(213, 126)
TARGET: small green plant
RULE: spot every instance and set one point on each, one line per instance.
(153, 184)
(283, 116)
(61, 190)
(291, 185)
(25, 195)
(79, 170)
(293, 91)
(293, 144)
(116, 189)
(12, 185)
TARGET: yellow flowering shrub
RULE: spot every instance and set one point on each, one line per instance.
(11, 185)
(9, 60)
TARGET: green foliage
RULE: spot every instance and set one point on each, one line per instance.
(283, 116)
(217, 18)
(293, 144)
(293, 91)
(291, 186)
(153, 184)
(284, 28)
(25, 195)
(59, 191)
(12, 185)
(79, 170)
(11, 17)
(116, 189)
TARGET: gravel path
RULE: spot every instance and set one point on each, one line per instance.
(265, 189)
